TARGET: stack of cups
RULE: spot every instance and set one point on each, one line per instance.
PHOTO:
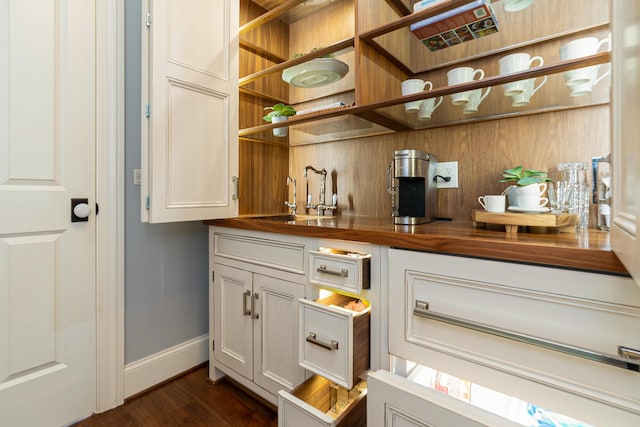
(573, 193)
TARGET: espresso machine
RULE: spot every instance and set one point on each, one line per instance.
(412, 185)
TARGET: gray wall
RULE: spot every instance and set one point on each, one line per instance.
(166, 269)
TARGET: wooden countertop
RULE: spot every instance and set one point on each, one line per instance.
(587, 250)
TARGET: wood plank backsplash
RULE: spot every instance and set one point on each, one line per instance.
(357, 167)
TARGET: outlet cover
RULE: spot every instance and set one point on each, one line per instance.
(450, 170)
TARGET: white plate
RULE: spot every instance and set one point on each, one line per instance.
(517, 209)
(315, 73)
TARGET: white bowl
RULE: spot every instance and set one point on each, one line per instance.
(315, 73)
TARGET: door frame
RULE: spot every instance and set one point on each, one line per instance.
(110, 179)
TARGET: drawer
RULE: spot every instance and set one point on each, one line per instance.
(318, 402)
(334, 341)
(338, 269)
(396, 401)
(278, 254)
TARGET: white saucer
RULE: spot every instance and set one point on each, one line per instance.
(517, 209)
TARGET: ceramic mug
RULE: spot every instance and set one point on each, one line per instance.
(462, 75)
(427, 107)
(517, 62)
(578, 48)
(586, 88)
(493, 203)
(411, 86)
(531, 202)
(524, 98)
(475, 99)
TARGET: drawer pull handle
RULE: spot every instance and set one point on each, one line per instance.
(313, 340)
(342, 273)
(630, 359)
(246, 311)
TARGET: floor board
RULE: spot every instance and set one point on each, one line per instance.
(189, 400)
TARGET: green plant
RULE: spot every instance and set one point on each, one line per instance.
(279, 110)
(523, 176)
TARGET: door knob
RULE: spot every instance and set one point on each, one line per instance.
(80, 210)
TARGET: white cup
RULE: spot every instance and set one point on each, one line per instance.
(427, 107)
(492, 203)
(513, 63)
(411, 86)
(462, 75)
(578, 48)
(522, 99)
(475, 99)
(532, 202)
(531, 190)
(586, 88)
(515, 5)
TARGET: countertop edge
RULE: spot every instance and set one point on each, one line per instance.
(596, 260)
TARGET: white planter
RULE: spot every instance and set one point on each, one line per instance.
(280, 132)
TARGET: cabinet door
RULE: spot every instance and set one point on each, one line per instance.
(190, 97)
(276, 353)
(625, 109)
(394, 401)
(233, 324)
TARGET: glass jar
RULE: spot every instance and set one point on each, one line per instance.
(574, 175)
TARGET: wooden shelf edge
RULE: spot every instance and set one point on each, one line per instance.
(270, 15)
(260, 51)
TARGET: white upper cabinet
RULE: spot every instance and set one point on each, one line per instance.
(625, 108)
(190, 110)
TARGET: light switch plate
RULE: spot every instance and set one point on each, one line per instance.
(137, 176)
(450, 170)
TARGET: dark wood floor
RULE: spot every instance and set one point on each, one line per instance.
(189, 400)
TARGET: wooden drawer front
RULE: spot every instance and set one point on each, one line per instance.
(349, 271)
(269, 253)
(397, 402)
(334, 342)
(309, 405)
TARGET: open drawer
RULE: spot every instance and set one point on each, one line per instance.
(334, 340)
(338, 269)
(318, 402)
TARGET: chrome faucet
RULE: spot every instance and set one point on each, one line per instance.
(293, 205)
(321, 206)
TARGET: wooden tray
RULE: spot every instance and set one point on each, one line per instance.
(512, 220)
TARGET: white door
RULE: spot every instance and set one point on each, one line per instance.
(276, 333)
(190, 143)
(47, 262)
(625, 109)
(234, 313)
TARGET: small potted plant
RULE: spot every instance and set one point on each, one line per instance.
(523, 181)
(279, 113)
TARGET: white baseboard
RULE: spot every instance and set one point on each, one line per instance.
(152, 370)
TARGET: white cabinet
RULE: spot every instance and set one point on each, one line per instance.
(257, 283)
(189, 110)
(334, 341)
(398, 402)
(255, 330)
(625, 110)
(552, 337)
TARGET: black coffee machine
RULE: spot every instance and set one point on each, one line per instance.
(411, 183)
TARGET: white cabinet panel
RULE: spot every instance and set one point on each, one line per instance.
(397, 402)
(546, 335)
(625, 110)
(190, 102)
